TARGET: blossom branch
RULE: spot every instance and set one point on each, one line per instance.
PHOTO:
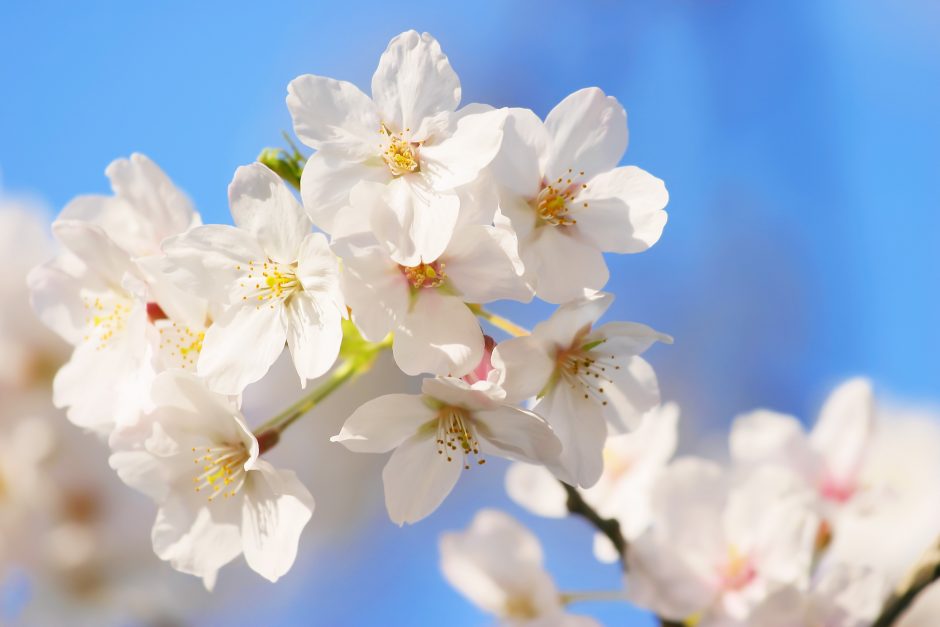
(607, 526)
(925, 573)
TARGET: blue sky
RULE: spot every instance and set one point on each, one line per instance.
(800, 143)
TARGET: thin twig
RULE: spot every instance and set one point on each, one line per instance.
(925, 573)
(607, 526)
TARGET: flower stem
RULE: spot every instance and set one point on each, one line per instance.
(499, 322)
(607, 526)
(592, 595)
(925, 573)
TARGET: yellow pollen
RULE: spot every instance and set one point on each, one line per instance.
(272, 281)
(553, 201)
(223, 469)
(425, 274)
(105, 318)
(400, 155)
(455, 437)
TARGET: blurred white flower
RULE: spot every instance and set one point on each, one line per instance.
(450, 427)
(567, 200)
(587, 379)
(276, 280)
(497, 564)
(718, 545)
(632, 462)
(408, 137)
(197, 459)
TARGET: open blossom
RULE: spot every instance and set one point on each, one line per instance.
(719, 544)
(567, 200)
(586, 379)
(275, 279)
(632, 463)
(198, 460)
(424, 305)
(102, 294)
(409, 137)
(450, 427)
(498, 565)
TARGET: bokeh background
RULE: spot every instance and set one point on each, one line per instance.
(800, 142)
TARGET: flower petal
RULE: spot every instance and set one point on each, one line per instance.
(573, 318)
(375, 290)
(537, 490)
(417, 479)
(768, 437)
(845, 424)
(414, 223)
(588, 131)
(525, 366)
(333, 116)
(582, 431)
(263, 206)
(483, 265)
(325, 187)
(318, 271)
(458, 159)
(275, 510)
(414, 81)
(621, 210)
(561, 265)
(518, 166)
(384, 423)
(314, 334)
(440, 335)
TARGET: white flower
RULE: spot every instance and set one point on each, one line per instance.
(840, 596)
(829, 458)
(586, 379)
(276, 280)
(567, 200)
(198, 460)
(408, 137)
(497, 564)
(717, 546)
(450, 427)
(632, 463)
(424, 305)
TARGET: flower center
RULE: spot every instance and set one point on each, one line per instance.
(737, 571)
(520, 607)
(223, 469)
(400, 155)
(106, 316)
(269, 281)
(455, 436)
(554, 200)
(180, 345)
(425, 274)
(585, 369)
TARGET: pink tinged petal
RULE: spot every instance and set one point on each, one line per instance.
(262, 205)
(458, 393)
(325, 188)
(458, 159)
(275, 510)
(621, 210)
(314, 334)
(440, 335)
(525, 366)
(842, 433)
(482, 264)
(209, 260)
(561, 265)
(582, 431)
(196, 539)
(334, 117)
(588, 131)
(376, 291)
(536, 489)
(241, 345)
(414, 223)
(417, 479)
(385, 422)
(318, 272)
(573, 318)
(518, 165)
(413, 81)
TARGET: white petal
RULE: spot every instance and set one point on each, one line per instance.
(458, 159)
(318, 271)
(376, 291)
(561, 265)
(517, 167)
(842, 433)
(582, 432)
(588, 131)
(630, 392)
(537, 490)
(104, 260)
(276, 508)
(604, 549)
(263, 206)
(767, 437)
(314, 334)
(417, 479)
(415, 223)
(517, 434)
(624, 212)
(55, 297)
(333, 116)
(573, 318)
(384, 423)
(458, 393)
(325, 187)
(481, 262)
(414, 80)
(241, 345)
(525, 366)
(440, 335)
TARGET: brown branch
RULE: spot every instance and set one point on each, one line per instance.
(607, 526)
(925, 573)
